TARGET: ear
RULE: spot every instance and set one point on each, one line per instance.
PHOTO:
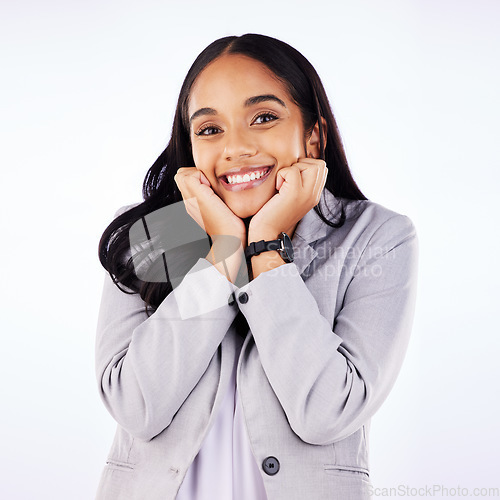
(313, 143)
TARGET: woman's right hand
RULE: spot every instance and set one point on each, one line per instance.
(211, 214)
(205, 207)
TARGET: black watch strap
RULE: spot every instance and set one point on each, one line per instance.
(283, 246)
(257, 247)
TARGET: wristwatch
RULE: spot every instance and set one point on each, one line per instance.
(283, 245)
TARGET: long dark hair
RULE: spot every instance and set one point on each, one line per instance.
(159, 188)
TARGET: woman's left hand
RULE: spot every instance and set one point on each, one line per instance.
(299, 190)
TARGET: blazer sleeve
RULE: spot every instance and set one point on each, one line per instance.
(330, 382)
(147, 366)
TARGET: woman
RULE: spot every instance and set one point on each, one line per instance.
(258, 375)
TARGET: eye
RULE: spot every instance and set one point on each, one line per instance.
(210, 128)
(269, 117)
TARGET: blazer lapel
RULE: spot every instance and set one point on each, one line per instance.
(309, 229)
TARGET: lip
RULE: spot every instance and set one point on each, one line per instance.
(245, 185)
(244, 170)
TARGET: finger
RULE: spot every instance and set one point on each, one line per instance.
(310, 169)
(320, 180)
(191, 178)
(204, 179)
(290, 175)
(183, 170)
(310, 161)
(321, 185)
(180, 174)
(311, 175)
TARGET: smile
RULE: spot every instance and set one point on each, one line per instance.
(240, 182)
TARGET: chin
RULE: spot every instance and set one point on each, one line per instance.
(245, 211)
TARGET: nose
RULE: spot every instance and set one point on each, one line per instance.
(238, 144)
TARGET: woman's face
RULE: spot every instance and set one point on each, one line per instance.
(242, 120)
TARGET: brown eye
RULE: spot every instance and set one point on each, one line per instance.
(210, 128)
(266, 118)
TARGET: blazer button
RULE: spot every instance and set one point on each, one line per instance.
(271, 466)
(232, 299)
(243, 298)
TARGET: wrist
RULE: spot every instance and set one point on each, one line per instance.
(263, 262)
(269, 253)
(227, 255)
(228, 240)
(268, 233)
(265, 235)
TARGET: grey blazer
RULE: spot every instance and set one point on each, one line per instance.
(327, 336)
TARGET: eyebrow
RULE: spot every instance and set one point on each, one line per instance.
(251, 101)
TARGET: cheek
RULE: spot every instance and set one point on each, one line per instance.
(197, 155)
(204, 161)
(201, 159)
(288, 147)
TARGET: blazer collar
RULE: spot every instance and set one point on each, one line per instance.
(310, 229)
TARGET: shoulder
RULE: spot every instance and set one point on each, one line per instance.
(378, 218)
(377, 231)
(369, 223)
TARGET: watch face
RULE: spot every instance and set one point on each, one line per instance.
(288, 247)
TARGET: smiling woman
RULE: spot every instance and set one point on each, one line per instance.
(264, 387)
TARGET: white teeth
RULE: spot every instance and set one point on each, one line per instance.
(237, 179)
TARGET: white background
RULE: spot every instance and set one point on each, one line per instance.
(88, 91)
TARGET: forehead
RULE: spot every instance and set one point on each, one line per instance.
(234, 78)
